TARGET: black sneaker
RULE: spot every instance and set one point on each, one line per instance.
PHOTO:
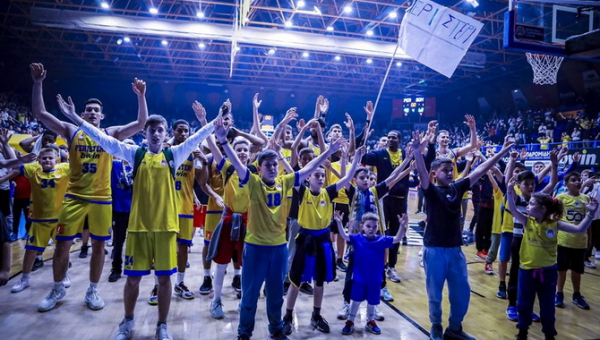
(206, 286)
(187, 264)
(83, 254)
(318, 322)
(243, 337)
(404, 241)
(37, 265)
(287, 326)
(278, 336)
(306, 288)
(114, 276)
(105, 251)
(341, 266)
(70, 265)
(236, 283)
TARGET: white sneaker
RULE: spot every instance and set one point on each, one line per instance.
(93, 300)
(378, 314)
(50, 300)
(21, 285)
(421, 252)
(162, 333)
(393, 275)
(588, 264)
(125, 329)
(344, 311)
(386, 295)
(67, 281)
(597, 256)
(216, 309)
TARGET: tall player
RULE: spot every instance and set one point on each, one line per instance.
(88, 196)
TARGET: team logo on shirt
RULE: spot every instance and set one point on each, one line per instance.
(81, 136)
(550, 233)
(576, 204)
(278, 187)
(163, 162)
(322, 203)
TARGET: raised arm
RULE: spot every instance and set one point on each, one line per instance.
(310, 167)
(125, 131)
(487, 165)
(351, 133)
(27, 143)
(510, 197)
(473, 134)
(273, 144)
(11, 160)
(418, 145)
(403, 225)
(553, 173)
(290, 115)
(338, 217)
(303, 127)
(38, 108)
(221, 134)
(256, 120)
(585, 223)
(345, 181)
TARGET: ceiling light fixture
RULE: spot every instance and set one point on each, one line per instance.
(153, 10)
(305, 54)
(370, 32)
(337, 57)
(271, 51)
(119, 41)
(369, 61)
(398, 63)
(126, 39)
(393, 15)
(201, 45)
(300, 4)
(105, 5)
(200, 14)
(164, 43)
(348, 9)
(289, 23)
(330, 28)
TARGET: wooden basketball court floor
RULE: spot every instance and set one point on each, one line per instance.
(406, 318)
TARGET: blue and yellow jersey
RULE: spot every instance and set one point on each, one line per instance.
(267, 213)
(452, 156)
(342, 197)
(315, 211)
(90, 169)
(574, 213)
(497, 217)
(287, 154)
(215, 181)
(234, 197)
(184, 185)
(47, 190)
(154, 202)
(539, 246)
(315, 147)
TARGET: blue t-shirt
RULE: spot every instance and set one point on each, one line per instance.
(369, 257)
(121, 180)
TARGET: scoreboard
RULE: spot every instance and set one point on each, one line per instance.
(413, 105)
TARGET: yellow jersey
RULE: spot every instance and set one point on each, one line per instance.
(315, 211)
(452, 156)
(90, 170)
(234, 197)
(316, 149)
(497, 219)
(540, 243)
(395, 157)
(507, 218)
(154, 203)
(342, 197)
(47, 190)
(215, 181)
(267, 213)
(287, 154)
(184, 185)
(574, 213)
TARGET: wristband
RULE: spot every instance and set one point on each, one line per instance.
(225, 142)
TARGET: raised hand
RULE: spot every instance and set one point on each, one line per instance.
(68, 109)
(4, 137)
(523, 154)
(290, 115)
(592, 206)
(38, 74)
(318, 106)
(563, 152)
(255, 102)
(220, 130)
(509, 143)
(432, 127)
(272, 144)
(324, 106)
(470, 122)
(403, 220)
(225, 108)
(510, 187)
(335, 146)
(576, 157)
(554, 157)
(369, 110)
(417, 143)
(200, 111)
(338, 216)
(28, 158)
(300, 124)
(360, 152)
(349, 122)
(139, 87)
(413, 166)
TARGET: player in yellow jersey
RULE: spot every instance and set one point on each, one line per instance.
(88, 194)
(153, 222)
(572, 247)
(265, 252)
(48, 185)
(315, 264)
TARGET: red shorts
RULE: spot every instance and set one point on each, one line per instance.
(199, 216)
(228, 250)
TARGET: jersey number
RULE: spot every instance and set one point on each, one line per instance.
(273, 200)
(177, 185)
(47, 183)
(89, 168)
(573, 216)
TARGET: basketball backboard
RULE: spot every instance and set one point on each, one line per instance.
(543, 26)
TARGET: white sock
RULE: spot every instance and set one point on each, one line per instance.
(219, 278)
(25, 277)
(39, 258)
(370, 312)
(57, 285)
(155, 280)
(237, 271)
(92, 284)
(180, 277)
(206, 272)
(353, 310)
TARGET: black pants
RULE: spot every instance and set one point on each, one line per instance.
(513, 279)
(421, 203)
(483, 234)
(20, 205)
(595, 227)
(475, 199)
(120, 224)
(392, 208)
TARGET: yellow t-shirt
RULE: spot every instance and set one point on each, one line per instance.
(316, 149)
(154, 203)
(234, 197)
(47, 190)
(90, 169)
(184, 185)
(342, 197)
(287, 154)
(497, 219)
(267, 213)
(395, 157)
(574, 213)
(215, 181)
(544, 143)
(315, 211)
(540, 243)
(507, 217)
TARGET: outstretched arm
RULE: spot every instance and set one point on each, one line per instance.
(345, 181)
(256, 121)
(338, 217)
(553, 173)
(403, 225)
(487, 165)
(221, 134)
(27, 143)
(125, 131)
(473, 142)
(11, 160)
(418, 145)
(585, 223)
(310, 167)
(511, 195)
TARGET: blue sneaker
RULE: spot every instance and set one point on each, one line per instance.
(386, 295)
(372, 327)
(511, 313)
(559, 300)
(580, 302)
(501, 293)
(348, 328)
(535, 318)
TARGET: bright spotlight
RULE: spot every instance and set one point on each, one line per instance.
(105, 5)
(370, 32)
(289, 23)
(337, 57)
(300, 4)
(398, 63)
(330, 28)
(393, 15)
(369, 61)
(126, 39)
(119, 41)
(271, 51)
(200, 15)
(153, 10)
(201, 45)
(348, 9)
(305, 54)
(164, 43)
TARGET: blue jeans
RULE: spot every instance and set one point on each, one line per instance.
(441, 265)
(262, 264)
(540, 282)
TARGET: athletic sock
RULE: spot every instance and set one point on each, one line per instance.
(353, 310)
(237, 272)
(219, 278)
(180, 277)
(25, 277)
(206, 272)
(316, 311)
(370, 312)
(94, 285)
(288, 314)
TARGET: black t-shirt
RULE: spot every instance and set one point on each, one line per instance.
(443, 214)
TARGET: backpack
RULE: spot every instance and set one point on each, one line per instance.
(141, 152)
(231, 170)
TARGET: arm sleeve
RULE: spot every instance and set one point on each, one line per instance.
(463, 185)
(183, 150)
(110, 144)
(369, 159)
(429, 156)
(381, 189)
(333, 194)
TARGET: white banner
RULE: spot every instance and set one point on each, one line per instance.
(437, 36)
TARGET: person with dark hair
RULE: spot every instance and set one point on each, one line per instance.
(88, 194)
(538, 268)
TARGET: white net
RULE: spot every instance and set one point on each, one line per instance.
(545, 67)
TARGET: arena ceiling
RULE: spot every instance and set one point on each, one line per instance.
(53, 32)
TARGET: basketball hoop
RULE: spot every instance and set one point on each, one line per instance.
(545, 67)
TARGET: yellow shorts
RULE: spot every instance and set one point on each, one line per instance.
(213, 217)
(186, 227)
(39, 235)
(74, 212)
(146, 248)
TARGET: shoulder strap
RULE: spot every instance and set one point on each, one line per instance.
(139, 156)
(252, 169)
(231, 170)
(170, 160)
